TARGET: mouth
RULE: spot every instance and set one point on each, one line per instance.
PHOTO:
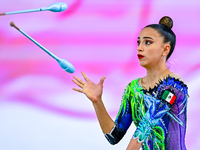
(140, 56)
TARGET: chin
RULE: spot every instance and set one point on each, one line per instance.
(145, 65)
(142, 64)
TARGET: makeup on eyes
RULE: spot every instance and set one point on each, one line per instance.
(147, 42)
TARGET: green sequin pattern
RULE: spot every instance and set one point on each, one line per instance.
(136, 97)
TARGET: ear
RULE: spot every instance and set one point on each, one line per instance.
(166, 50)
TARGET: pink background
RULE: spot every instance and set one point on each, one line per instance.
(39, 109)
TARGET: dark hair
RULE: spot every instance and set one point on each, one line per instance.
(164, 28)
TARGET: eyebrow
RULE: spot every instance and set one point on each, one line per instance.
(146, 37)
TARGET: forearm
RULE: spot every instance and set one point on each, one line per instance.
(134, 145)
(104, 119)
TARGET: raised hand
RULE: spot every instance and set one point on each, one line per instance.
(91, 90)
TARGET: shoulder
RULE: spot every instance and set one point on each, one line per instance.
(173, 86)
(133, 85)
(134, 82)
(173, 75)
(174, 82)
(173, 79)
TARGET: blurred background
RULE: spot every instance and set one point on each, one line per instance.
(38, 108)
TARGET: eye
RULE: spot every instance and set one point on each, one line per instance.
(148, 42)
(138, 42)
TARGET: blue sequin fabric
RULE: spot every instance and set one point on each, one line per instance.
(159, 124)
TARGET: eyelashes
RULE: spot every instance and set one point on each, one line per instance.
(146, 42)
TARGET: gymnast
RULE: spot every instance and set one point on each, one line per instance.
(155, 103)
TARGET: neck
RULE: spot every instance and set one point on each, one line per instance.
(155, 73)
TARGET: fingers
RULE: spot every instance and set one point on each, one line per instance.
(78, 90)
(78, 83)
(79, 80)
(102, 80)
(85, 77)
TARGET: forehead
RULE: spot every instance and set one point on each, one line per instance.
(149, 32)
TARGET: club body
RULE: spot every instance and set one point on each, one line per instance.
(56, 7)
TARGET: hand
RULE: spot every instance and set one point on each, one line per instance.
(91, 90)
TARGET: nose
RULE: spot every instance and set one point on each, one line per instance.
(140, 48)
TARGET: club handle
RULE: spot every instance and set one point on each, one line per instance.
(24, 11)
(64, 64)
(38, 44)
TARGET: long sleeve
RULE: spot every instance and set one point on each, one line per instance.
(123, 119)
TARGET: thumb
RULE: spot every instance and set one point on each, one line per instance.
(102, 80)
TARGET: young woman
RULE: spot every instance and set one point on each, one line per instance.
(156, 103)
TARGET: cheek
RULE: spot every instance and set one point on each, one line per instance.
(152, 51)
(156, 51)
(154, 54)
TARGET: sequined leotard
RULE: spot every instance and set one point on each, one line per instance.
(161, 124)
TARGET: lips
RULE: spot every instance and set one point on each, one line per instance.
(140, 56)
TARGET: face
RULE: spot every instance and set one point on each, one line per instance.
(151, 49)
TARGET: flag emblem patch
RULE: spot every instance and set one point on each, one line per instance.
(169, 97)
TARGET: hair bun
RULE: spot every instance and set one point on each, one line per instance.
(166, 21)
